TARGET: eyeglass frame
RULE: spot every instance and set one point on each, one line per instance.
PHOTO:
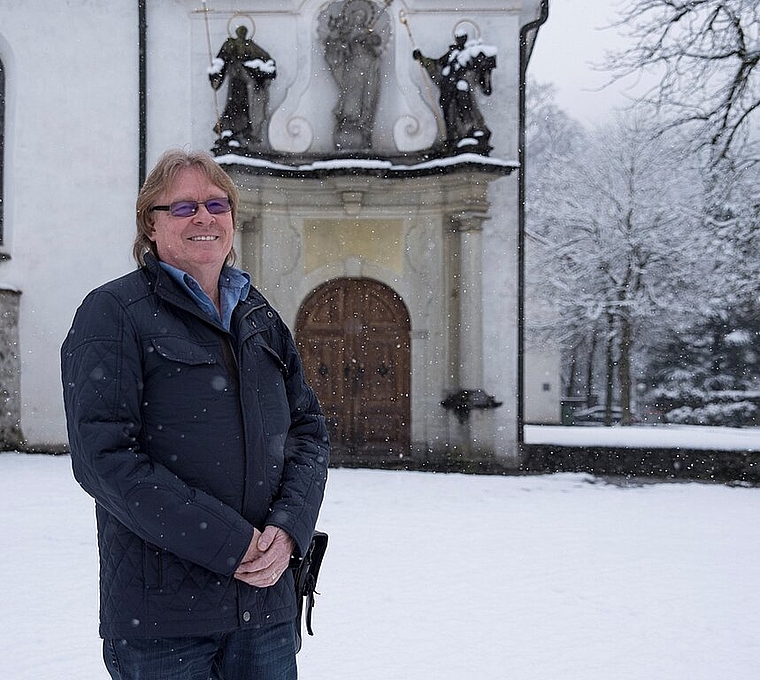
(197, 204)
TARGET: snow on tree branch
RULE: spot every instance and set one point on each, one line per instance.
(706, 55)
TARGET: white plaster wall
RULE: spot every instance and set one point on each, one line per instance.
(542, 369)
(542, 386)
(170, 73)
(497, 24)
(500, 282)
(70, 176)
(500, 241)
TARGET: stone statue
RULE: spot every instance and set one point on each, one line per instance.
(242, 127)
(465, 67)
(354, 34)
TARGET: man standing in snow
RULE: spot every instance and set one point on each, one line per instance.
(191, 425)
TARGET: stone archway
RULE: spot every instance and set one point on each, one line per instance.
(353, 335)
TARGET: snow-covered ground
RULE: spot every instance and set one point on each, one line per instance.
(443, 576)
(648, 436)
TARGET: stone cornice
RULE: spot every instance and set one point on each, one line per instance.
(409, 165)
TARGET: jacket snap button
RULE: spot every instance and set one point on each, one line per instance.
(246, 616)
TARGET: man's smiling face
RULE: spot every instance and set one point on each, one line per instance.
(198, 244)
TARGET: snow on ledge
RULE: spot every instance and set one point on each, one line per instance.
(694, 437)
(353, 164)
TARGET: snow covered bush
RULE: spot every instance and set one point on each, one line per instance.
(736, 414)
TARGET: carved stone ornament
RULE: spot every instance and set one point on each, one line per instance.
(248, 70)
(354, 34)
(459, 73)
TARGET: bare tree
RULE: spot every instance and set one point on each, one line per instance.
(630, 237)
(553, 141)
(619, 244)
(706, 55)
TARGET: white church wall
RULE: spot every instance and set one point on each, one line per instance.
(500, 282)
(500, 240)
(542, 369)
(541, 386)
(169, 107)
(70, 176)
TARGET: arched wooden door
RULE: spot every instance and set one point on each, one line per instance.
(353, 336)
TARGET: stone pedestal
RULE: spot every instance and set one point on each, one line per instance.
(10, 371)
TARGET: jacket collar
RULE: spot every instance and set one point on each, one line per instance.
(166, 288)
(169, 290)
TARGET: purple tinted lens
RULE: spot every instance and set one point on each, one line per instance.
(217, 206)
(183, 208)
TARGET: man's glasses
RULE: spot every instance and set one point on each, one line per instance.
(216, 206)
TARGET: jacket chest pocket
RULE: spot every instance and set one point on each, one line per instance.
(187, 365)
(172, 356)
(182, 351)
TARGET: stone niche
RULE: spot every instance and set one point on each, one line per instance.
(10, 371)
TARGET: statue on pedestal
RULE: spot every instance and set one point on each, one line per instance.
(464, 68)
(354, 33)
(242, 127)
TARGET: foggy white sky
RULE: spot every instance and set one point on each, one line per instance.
(568, 44)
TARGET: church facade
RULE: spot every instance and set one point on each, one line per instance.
(377, 148)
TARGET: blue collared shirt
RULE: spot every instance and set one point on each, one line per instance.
(234, 286)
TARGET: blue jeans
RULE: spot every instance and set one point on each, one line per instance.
(249, 654)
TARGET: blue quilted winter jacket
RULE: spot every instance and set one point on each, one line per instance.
(188, 437)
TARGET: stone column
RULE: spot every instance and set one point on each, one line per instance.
(471, 404)
(470, 228)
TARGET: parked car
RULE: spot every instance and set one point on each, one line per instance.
(595, 415)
